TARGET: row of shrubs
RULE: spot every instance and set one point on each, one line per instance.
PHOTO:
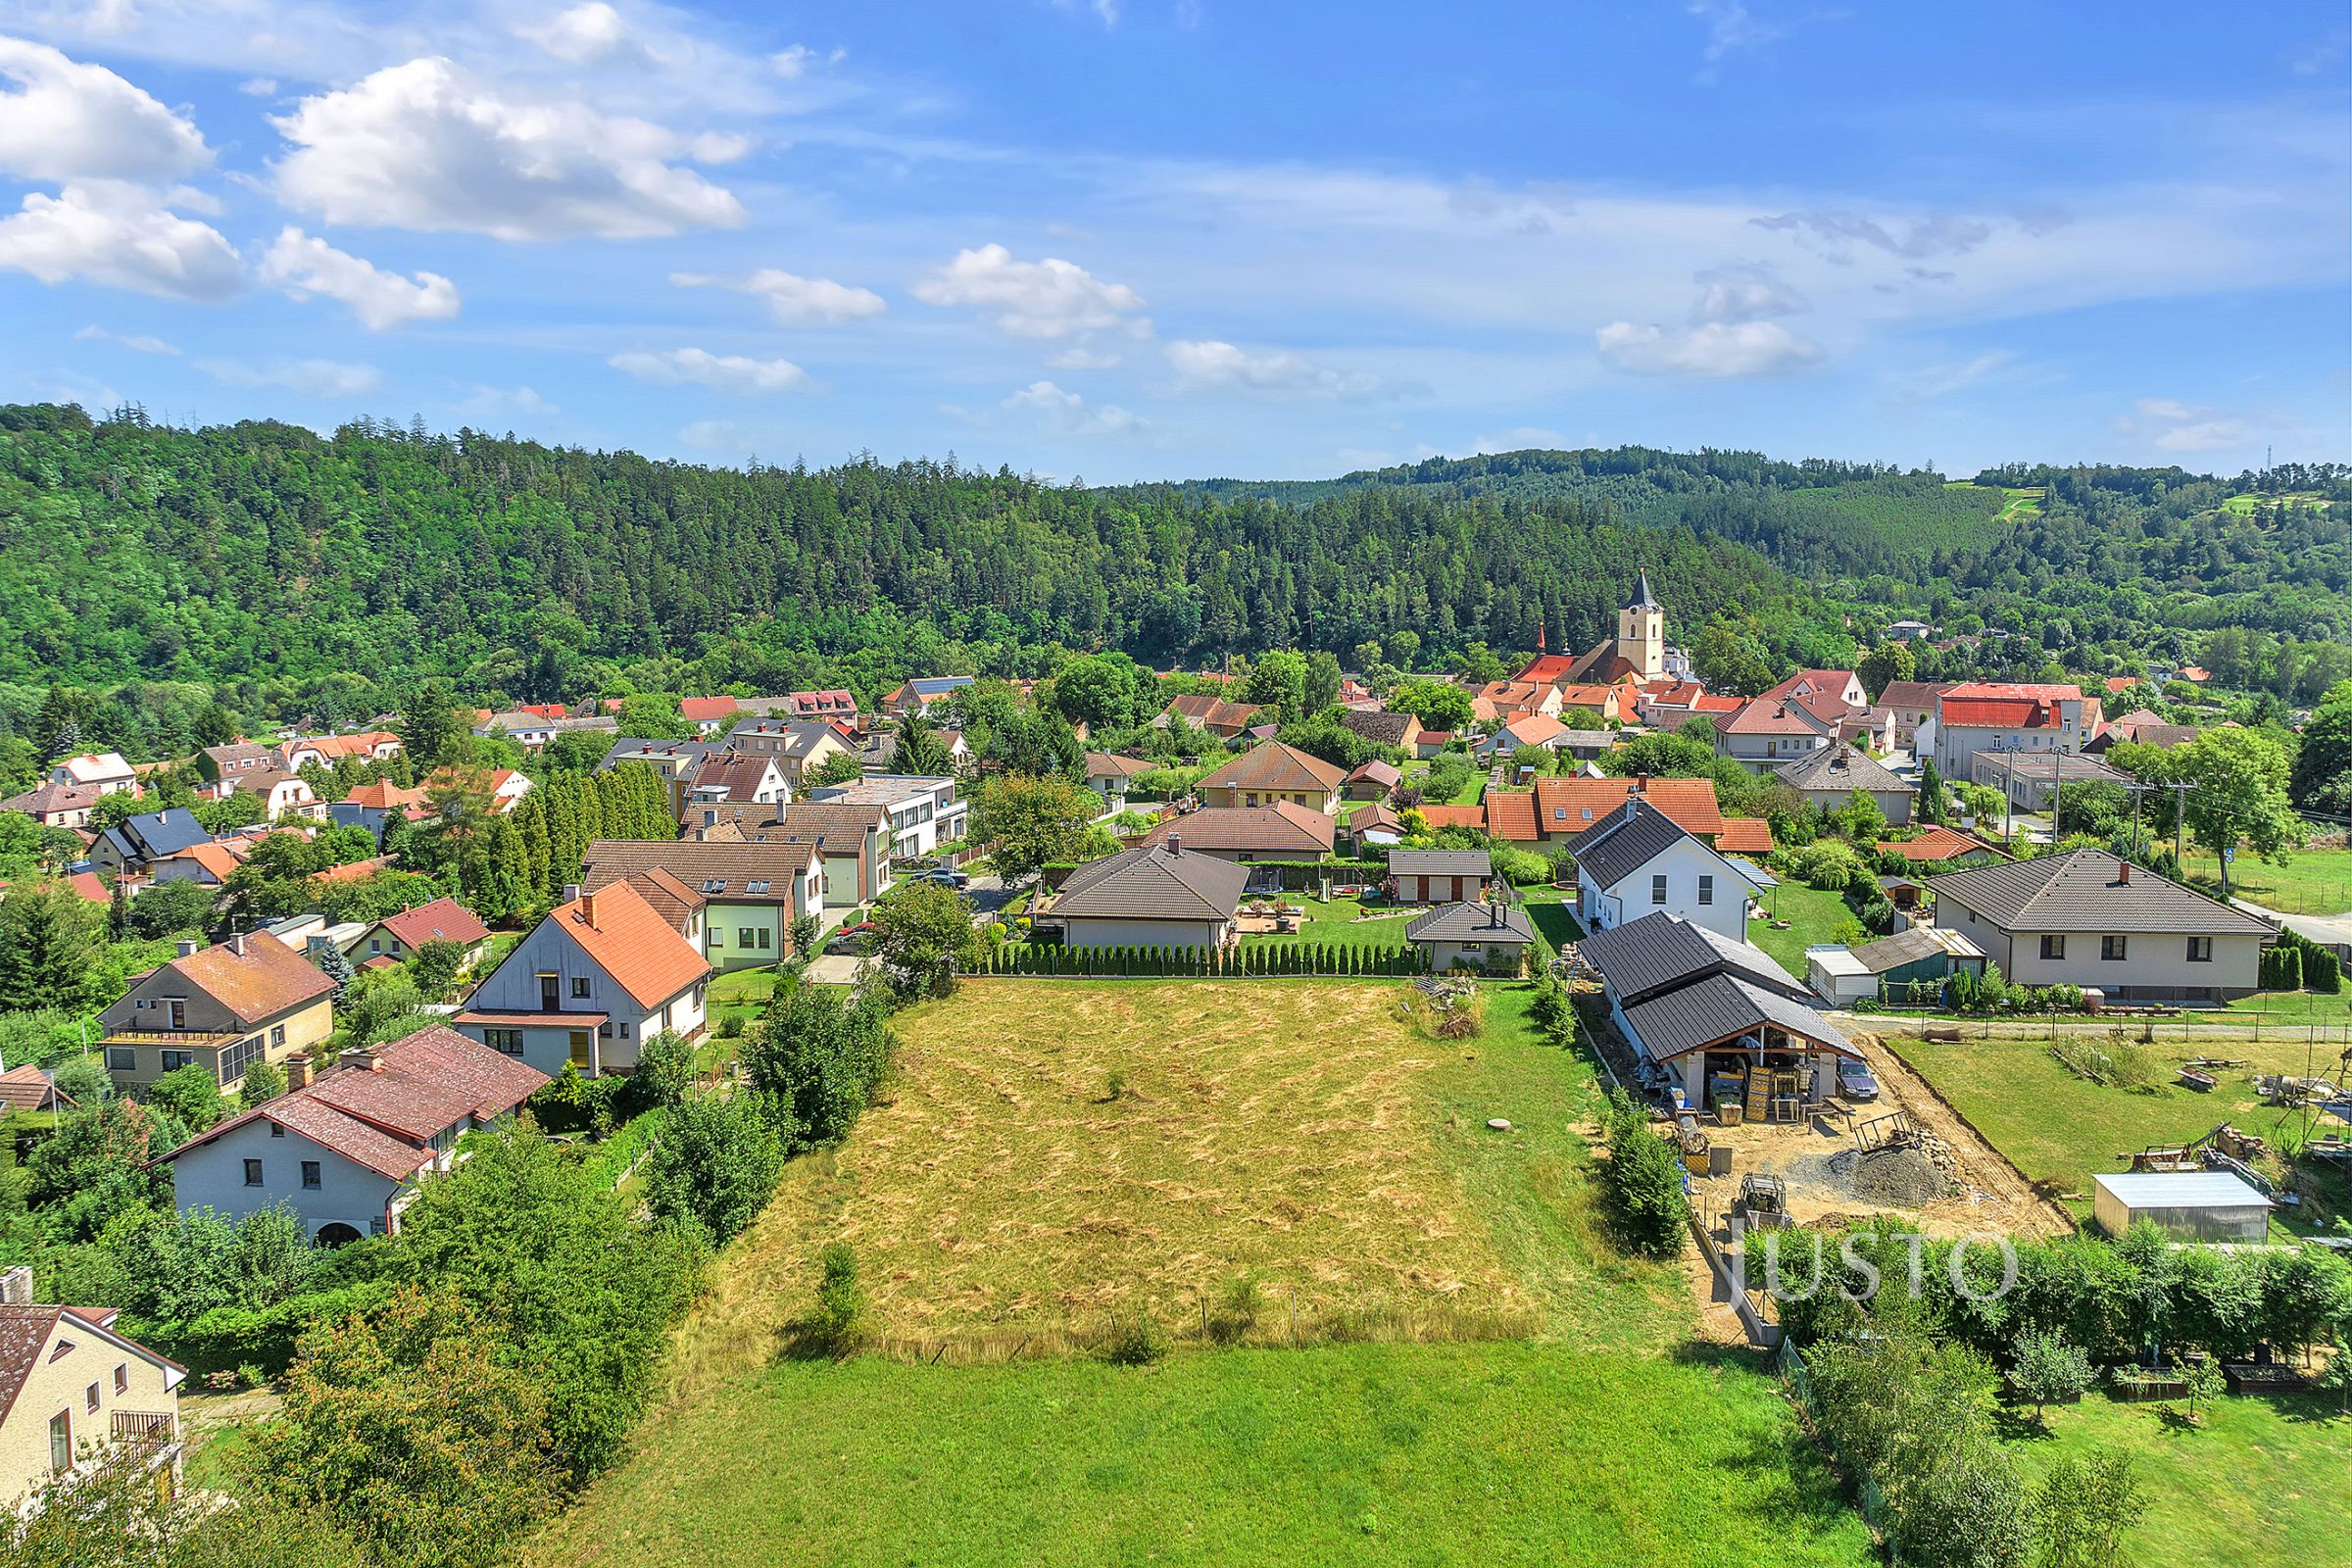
(2298, 963)
(1250, 958)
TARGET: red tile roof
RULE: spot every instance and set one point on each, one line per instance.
(1744, 835)
(442, 920)
(355, 871)
(88, 885)
(27, 1088)
(1437, 816)
(631, 941)
(384, 796)
(1938, 843)
(1999, 712)
(1272, 766)
(263, 980)
(703, 709)
(1560, 806)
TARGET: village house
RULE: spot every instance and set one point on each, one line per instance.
(1938, 843)
(368, 746)
(1616, 702)
(281, 791)
(1207, 712)
(2004, 717)
(397, 937)
(1827, 780)
(56, 805)
(1162, 895)
(739, 776)
(2088, 918)
(103, 771)
(1639, 862)
(1908, 704)
(1715, 1017)
(2029, 780)
(76, 1392)
(1439, 876)
(1772, 731)
(136, 843)
(371, 806)
(1399, 730)
(798, 746)
(1283, 830)
(924, 813)
(833, 701)
(1501, 701)
(350, 1149)
(2141, 727)
(1273, 771)
(1110, 775)
(1375, 826)
(750, 893)
(221, 1007)
(1558, 808)
(853, 841)
(1472, 936)
(589, 983)
(217, 762)
(922, 694)
(1375, 780)
(1529, 730)
(209, 863)
(709, 715)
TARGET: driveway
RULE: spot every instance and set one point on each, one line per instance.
(2326, 928)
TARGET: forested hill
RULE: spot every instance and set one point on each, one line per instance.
(2091, 563)
(262, 554)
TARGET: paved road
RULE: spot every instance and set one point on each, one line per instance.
(2317, 927)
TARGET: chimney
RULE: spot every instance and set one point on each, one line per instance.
(298, 1073)
(16, 1286)
(1641, 783)
(588, 908)
(2123, 873)
(236, 944)
(1175, 844)
(571, 893)
(363, 1059)
(188, 946)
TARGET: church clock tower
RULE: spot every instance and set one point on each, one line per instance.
(1642, 633)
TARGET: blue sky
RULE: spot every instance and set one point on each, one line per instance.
(1124, 239)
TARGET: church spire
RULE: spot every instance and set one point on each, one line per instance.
(1643, 598)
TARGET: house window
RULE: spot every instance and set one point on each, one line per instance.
(2053, 947)
(275, 1131)
(766, 939)
(174, 1061)
(1657, 889)
(624, 1031)
(742, 936)
(121, 1058)
(1706, 889)
(89, 1399)
(2111, 948)
(2200, 950)
(309, 1174)
(715, 937)
(579, 987)
(508, 1040)
(277, 1035)
(122, 1376)
(239, 1056)
(253, 1173)
(61, 1442)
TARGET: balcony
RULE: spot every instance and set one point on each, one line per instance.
(148, 1434)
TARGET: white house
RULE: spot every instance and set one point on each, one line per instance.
(602, 972)
(1637, 861)
(2004, 717)
(103, 771)
(924, 813)
(350, 1149)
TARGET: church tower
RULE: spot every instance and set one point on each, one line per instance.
(1642, 633)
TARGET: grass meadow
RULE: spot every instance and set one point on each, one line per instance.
(2312, 882)
(1479, 1376)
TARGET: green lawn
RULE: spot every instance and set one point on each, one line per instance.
(1813, 918)
(1298, 1128)
(2312, 882)
(2060, 1129)
(1335, 920)
(2260, 1479)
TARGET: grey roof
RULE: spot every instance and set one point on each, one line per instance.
(1620, 844)
(1152, 883)
(1910, 944)
(1661, 950)
(757, 872)
(937, 685)
(152, 835)
(1842, 767)
(637, 747)
(1723, 1007)
(1386, 729)
(1643, 598)
(1441, 863)
(2083, 892)
(1473, 922)
(2181, 1189)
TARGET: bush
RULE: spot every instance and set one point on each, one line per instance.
(2049, 1369)
(840, 1317)
(1136, 1342)
(717, 1163)
(191, 1093)
(1829, 864)
(1643, 1182)
(264, 1081)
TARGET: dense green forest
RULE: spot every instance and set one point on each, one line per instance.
(2104, 568)
(264, 556)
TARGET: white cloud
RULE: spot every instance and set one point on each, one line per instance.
(309, 378)
(502, 403)
(137, 341)
(66, 120)
(1212, 363)
(719, 147)
(1731, 28)
(1714, 349)
(792, 63)
(2170, 426)
(1743, 294)
(1070, 413)
(1836, 232)
(731, 374)
(1082, 357)
(1049, 299)
(426, 146)
(259, 86)
(303, 266)
(119, 236)
(794, 300)
(584, 33)
(1105, 11)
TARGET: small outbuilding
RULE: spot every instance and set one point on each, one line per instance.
(1477, 935)
(2189, 1206)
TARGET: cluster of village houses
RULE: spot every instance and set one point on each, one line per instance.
(1666, 887)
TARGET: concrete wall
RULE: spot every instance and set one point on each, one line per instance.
(213, 1176)
(60, 1383)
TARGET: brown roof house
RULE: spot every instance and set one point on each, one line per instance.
(592, 981)
(1273, 771)
(351, 1149)
(74, 1392)
(1162, 895)
(2090, 919)
(1282, 831)
(1400, 730)
(221, 1007)
(54, 804)
(750, 890)
(1216, 715)
(398, 936)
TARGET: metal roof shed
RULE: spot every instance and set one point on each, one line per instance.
(2191, 1206)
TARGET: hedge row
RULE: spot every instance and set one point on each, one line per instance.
(1252, 958)
(2301, 964)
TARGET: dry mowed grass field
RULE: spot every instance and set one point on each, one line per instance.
(1002, 1188)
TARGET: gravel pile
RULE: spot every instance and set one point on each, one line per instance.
(1897, 1178)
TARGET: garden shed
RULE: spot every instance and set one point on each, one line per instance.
(2187, 1205)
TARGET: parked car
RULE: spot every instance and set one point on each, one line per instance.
(1855, 1081)
(949, 876)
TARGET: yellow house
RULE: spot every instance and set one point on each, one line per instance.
(73, 1391)
(221, 1007)
(1270, 772)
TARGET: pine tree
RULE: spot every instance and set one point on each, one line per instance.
(117, 910)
